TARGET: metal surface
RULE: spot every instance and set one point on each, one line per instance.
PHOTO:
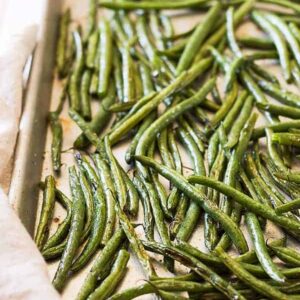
(23, 192)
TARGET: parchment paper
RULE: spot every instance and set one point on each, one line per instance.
(23, 271)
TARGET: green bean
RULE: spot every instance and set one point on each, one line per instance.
(131, 149)
(285, 3)
(250, 256)
(133, 206)
(61, 55)
(94, 84)
(159, 219)
(258, 271)
(76, 230)
(287, 255)
(227, 123)
(197, 38)
(295, 30)
(214, 39)
(214, 261)
(197, 196)
(121, 107)
(278, 40)
(256, 42)
(63, 228)
(236, 159)
(285, 31)
(233, 69)
(110, 283)
(296, 73)
(162, 195)
(279, 94)
(131, 5)
(135, 243)
(258, 240)
(155, 29)
(100, 120)
(105, 57)
(295, 204)
(239, 124)
(146, 79)
(84, 95)
(290, 139)
(192, 216)
(109, 193)
(92, 19)
(230, 32)
(175, 50)
(263, 73)
(210, 227)
(179, 83)
(143, 37)
(127, 75)
(179, 217)
(282, 110)
(273, 153)
(197, 266)
(165, 154)
(257, 93)
(117, 72)
(89, 203)
(148, 216)
(164, 120)
(247, 202)
(224, 109)
(97, 231)
(46, 212)
(249, 279)
(57, 136)
(92, 47)
(281, 127)
(116, 175)
(102, 260)
(135, 108)
(290, 188)
(201, 115)
(184, 124)
(269, 180)
(261, 55)
(74, 94)
(168, 285)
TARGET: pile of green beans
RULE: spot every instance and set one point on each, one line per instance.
(201, 93)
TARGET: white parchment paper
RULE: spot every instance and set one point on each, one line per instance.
(23, 271)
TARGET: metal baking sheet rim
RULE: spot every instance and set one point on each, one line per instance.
(23, 193)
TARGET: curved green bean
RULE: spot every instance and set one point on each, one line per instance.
(97, 231)
(102, 260)
(46, 212)
(197, 38)
(278, 40)
(105, 57)
(76, 230)
(110, 283)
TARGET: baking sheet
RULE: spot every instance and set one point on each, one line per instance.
(33, 159)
